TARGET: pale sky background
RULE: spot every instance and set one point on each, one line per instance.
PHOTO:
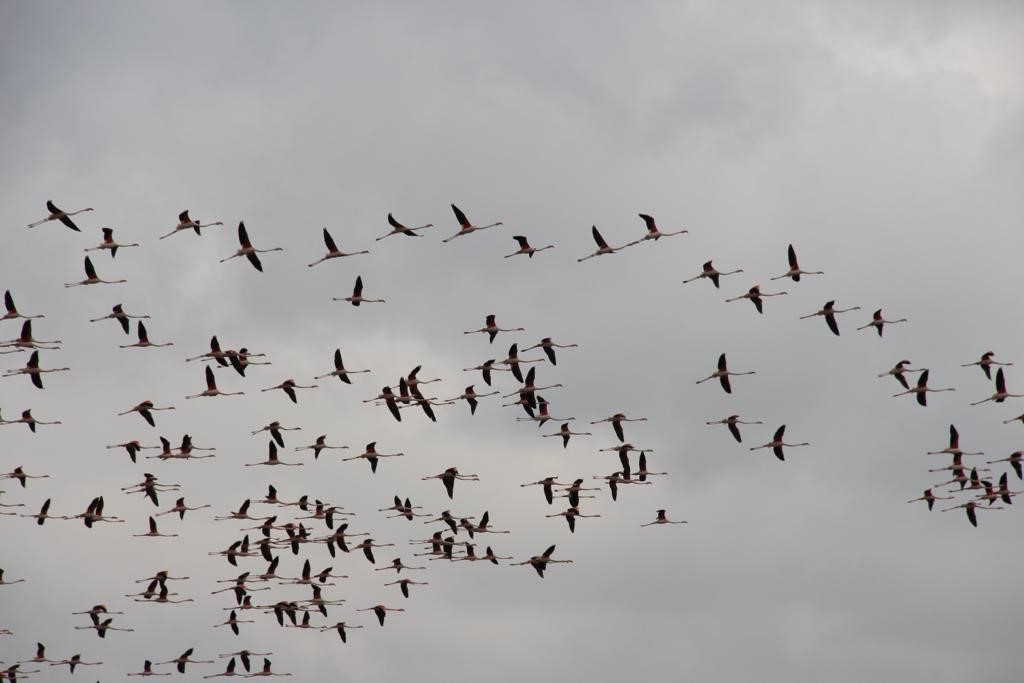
(884, 140)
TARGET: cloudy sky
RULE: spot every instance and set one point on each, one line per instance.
(884, 141)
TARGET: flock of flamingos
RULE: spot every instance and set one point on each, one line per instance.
(289, 525)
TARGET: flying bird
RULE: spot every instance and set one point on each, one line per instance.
(465, 227)
(525, 248)
(91, 278)
(247, 250)
(58, 215)
(333, 251)
(399, 229)
(795, 271)
(357, 295)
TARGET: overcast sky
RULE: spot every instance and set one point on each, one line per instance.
(884, 141)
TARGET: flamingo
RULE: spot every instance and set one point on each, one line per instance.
(777, 443)
(541, 562)
(239, 359)
(1015, 460)
(333, 251)
(26, 418)
(265, 671)
(146, 409)
(367, 545)
(470, 396)
(58, 215)
(642, 472)
(339, 369)
(91, 278)
(76, 660)
(878, 322)
(405, 583)
(102, 627)
(1004, 490)
(403, 509)
(547, 483)
(542, 417)
(486, 370)
(149, 487)
(570, 517)
(8, 583)
(288, 387)
(722, 373)
(341, 627)
(381, 610)
(755, 295)
(513, 361)
(371, 455)
(572, 492)
(109, 243)
(247, 250)
(272, 458)
(930, 498)
(397, 565)
(529, 388)
(549, 349)
(119, 315)
(615, 478)
(829, 311)
(986, 363)
(180, 508)
(43, 514)
(794, 271)
(211, 387)
(40, 656)
(186, 223)
(617, 419)
(242, 513)
(711, 273)
(731, 423)
(954, 445)
(492, 329)
(21, 476)
(602, 246)
(144, 340)
(147, 670)
(153, 531)
(465, 227)
(921, 389)
(397, 228)
(215, 353)
(662, 519)
(33, 370)
(319, 445)
(957, 466)
(94, 513)
(652, 230)
(357, 295)
(275, 430)
(12, 310)
(388, 396)
(565, 433)
(898, 370)
(25, 341)
(184, 658)
(971, 507)
(448, 478)
(525, 248)
(1001, 393)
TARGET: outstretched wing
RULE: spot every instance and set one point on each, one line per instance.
(329, 241)
(460, 217)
